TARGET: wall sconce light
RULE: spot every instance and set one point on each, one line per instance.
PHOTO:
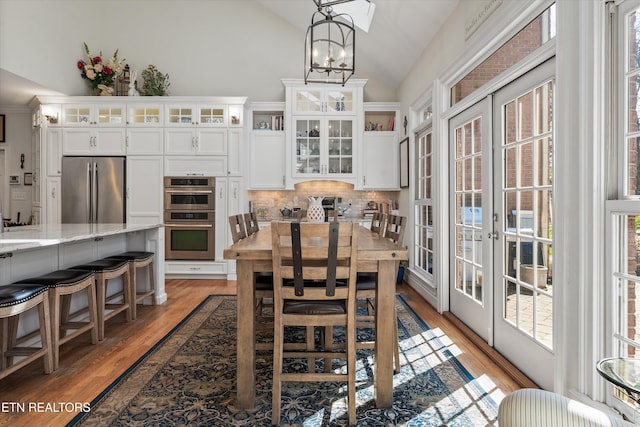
(22, 161)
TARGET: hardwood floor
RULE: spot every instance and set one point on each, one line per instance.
(86, 370)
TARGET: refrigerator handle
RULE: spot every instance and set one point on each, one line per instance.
(95, 192)
(88, 197)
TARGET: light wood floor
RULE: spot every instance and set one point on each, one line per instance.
(86, 370)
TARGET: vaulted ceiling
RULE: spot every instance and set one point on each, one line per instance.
(398, 34)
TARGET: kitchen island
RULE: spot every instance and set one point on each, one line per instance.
(33, 251)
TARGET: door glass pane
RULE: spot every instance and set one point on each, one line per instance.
(527, 209)
(469, 279)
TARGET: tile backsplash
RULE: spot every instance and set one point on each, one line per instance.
(274, 200)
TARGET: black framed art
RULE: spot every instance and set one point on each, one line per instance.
(404, 163)
(2, 137)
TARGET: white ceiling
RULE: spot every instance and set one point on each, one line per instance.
(399, 32)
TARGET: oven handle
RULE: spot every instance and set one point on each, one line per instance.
(189, 225)
(171, 190)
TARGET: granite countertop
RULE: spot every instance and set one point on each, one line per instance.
(24, 238)
(291, 218)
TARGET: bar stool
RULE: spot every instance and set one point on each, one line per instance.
(62, 285)
(106, 269)
(139, 259)
(15, 300)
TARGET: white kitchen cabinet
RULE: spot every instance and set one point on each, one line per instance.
(145, 141)
(267, 160)
(324, 147)
(190, 141)
(324, 130)
(89, 114)
(229, 201)
(54, 201)
(235, 140)
(54, 151)
(380, 159)
(207, 115)
(144, 115)
(222, 218)
(191, 269)
(144, 189)
(94, 141)
(195, 165)
(323, 99)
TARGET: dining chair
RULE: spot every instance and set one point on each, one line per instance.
(314, 270)
(236, 222)
(366, 284)
(377, 222)
(251, 223)
(262, 282)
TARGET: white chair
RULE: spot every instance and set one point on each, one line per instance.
(536, 408)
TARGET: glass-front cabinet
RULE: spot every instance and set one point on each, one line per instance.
(91, 114)
(324, 134)
(324, 100)
(144, 115)
(324, 146)
(202, 115)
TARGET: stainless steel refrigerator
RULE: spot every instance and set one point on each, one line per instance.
(93, 190)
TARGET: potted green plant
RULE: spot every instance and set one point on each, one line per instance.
(155, 83)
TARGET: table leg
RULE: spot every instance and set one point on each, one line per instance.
(246, 336)
(385, 313)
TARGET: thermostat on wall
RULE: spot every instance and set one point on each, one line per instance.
(14, 179)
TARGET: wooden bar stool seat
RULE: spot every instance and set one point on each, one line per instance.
(62, 285)
(110, 305)
(139, 259)
(16, 299)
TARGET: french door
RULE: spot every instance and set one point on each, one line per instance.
(502, 176)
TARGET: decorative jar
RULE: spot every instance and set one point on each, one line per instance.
(315, 213)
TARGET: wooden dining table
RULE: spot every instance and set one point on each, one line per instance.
(375, 254)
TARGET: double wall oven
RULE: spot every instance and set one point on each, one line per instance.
(189, 217)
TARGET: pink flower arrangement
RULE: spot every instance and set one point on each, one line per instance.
(98, 72)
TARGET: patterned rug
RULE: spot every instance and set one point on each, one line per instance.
(188, 378)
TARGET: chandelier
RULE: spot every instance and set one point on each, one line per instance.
(329, 52)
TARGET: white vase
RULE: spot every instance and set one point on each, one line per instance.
(315, 213)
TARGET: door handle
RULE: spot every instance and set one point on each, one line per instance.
(493, 235)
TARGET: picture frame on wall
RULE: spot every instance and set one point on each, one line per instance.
(28, 178)
(404, 163)
(2, 133)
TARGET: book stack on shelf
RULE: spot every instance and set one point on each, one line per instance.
(277, 122)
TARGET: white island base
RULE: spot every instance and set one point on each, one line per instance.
(46, 248)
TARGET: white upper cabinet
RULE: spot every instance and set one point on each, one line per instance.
(323, 131)
(84, 115)
(380, 146)
(325, 100)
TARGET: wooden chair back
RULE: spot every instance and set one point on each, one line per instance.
(377, 222)
(236, 222)
(251, 223)
(394, 228)
(315, 264)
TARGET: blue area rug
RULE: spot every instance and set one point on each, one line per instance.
(188, 378)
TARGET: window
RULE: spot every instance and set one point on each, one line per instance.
(538, 32)
(424, 204)
(623, 233)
